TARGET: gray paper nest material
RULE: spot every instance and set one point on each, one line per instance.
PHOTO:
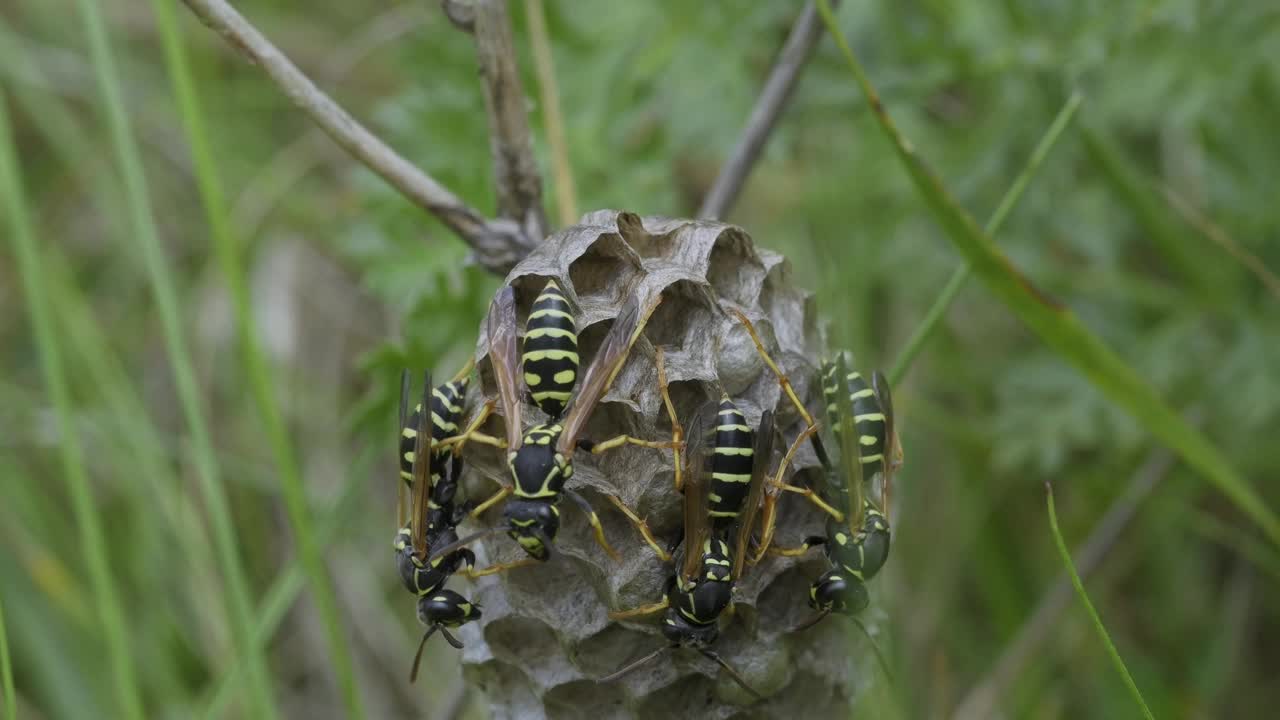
(545, 635)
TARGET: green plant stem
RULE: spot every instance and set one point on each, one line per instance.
(961, 275)
(92, 540)
(553, 122)
(6, 668)
(227, 248)
(1056, 325)
(167, 305)
(1088, 606)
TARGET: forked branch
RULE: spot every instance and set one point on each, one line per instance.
(498, 244)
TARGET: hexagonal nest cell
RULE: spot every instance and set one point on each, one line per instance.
(545, 636)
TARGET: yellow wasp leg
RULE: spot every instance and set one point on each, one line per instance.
(621, 440)
(642, 526)
(677, 430)
(768, 522)
(791, 552)
(641, 611)
(473, 433)
(499, 567)
(783, 380)
(494, 499)
(777, 481)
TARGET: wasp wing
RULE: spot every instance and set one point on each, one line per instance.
(761, 460)
(501, 328)
(850, 447)
(604, 368)
(697, 523)
(402, 486)
(892, 448)
(423, 459)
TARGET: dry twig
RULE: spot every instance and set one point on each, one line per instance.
(498, 244)
(764, 116)
(515, 171)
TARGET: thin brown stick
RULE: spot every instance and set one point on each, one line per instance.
(1211, 230)
(498, 244)
(549, 99)
(515, 171)
(804, 37)
(981, 701)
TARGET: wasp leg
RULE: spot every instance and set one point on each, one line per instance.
(598, 447)
(809, 543)
(493, 499)
(472, 433)
(813, 497)
(641, 611)
(500, 567)
(677, 430)
(595, 523)
(783, 380)
(642, 526)
(768, 523)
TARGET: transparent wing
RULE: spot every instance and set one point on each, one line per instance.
(892, 447)
(501, 327)
(422, 460)
(608, 361)
(404, 421)
(762, 459)
(850, 447)
(697, 525)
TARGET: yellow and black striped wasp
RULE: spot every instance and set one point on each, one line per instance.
(718, 508)
(540, 459)
(431, 474)
(856, 540)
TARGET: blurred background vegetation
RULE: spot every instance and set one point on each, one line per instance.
(1137, 220)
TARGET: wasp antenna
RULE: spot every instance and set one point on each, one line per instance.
(448, 636)
(417, 658)
(732, 673)
(635, 665)
(811, 621)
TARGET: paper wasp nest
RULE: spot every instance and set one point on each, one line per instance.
(545, 636)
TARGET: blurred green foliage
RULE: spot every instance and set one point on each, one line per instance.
(350, 282)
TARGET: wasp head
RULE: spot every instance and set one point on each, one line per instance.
(533, 525)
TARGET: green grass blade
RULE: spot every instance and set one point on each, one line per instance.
(167, 305)
(227, 247)
(1093, 614)
(1056, 325)
(92, 542)
(6, 668)
(288, 584)
(961, 275)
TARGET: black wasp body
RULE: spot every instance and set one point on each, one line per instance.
(695, 605)
(731, 462)
(550, 356)
(856, 546)
(432, 473)
(711, 561)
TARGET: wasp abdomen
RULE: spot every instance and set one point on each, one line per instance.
(868, 422)
(731, 461)
(551, 351)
